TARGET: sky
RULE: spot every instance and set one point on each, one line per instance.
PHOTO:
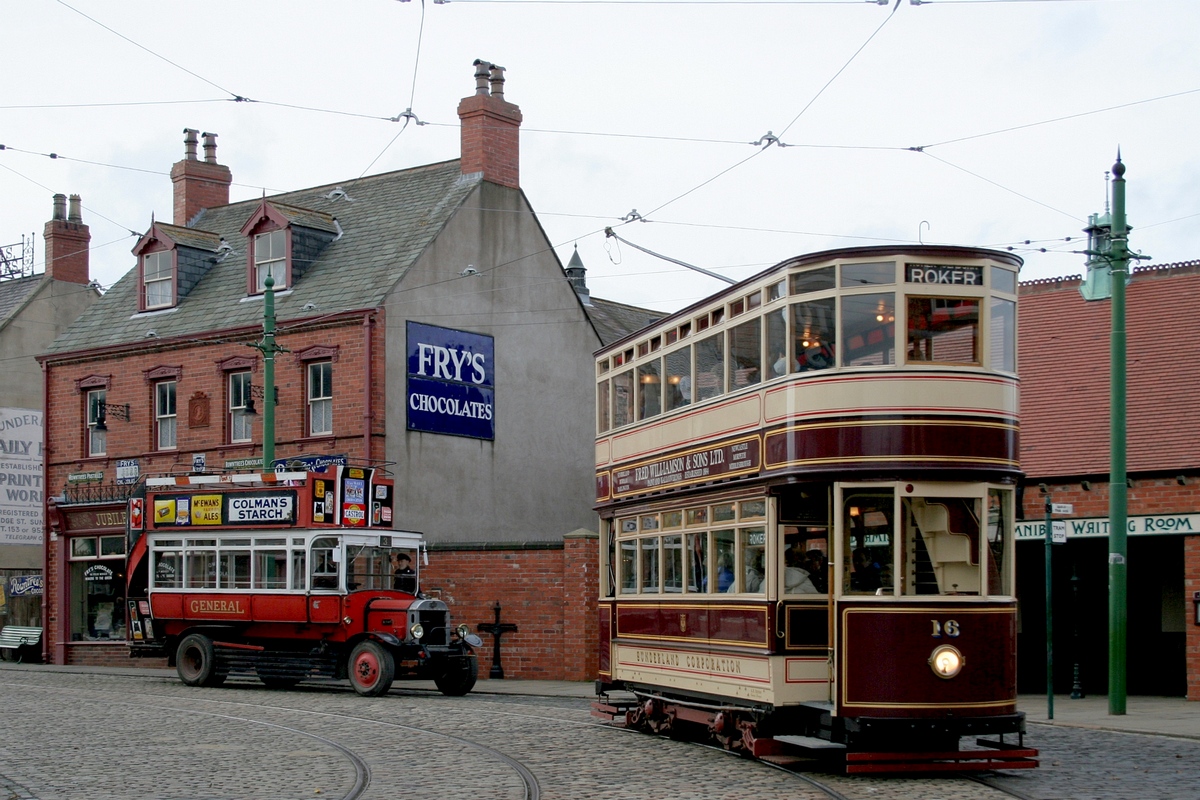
(968, 122)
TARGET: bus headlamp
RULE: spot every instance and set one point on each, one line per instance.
(416, 630)
(462, 630)
(946, 661)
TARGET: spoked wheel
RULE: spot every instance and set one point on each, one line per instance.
(196, 661)
(371, 669)
(459, 678)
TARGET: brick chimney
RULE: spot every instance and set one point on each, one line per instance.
(490, 129)
(67, 241)
(199, 184)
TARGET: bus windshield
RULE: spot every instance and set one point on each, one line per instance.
(373, 567)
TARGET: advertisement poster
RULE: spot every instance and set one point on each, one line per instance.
(450, 382)
(21, 481)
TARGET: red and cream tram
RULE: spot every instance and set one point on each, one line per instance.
(287, 576)
(806, 486)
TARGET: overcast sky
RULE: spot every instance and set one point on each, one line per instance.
(633, 105)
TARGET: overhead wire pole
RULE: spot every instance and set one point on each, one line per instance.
(1117, 511)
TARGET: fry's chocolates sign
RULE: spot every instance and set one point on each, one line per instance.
(450, 382)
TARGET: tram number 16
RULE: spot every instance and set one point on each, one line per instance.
(950, 628)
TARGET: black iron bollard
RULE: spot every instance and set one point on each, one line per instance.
(496, 629)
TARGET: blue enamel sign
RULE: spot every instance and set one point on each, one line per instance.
(450, 387)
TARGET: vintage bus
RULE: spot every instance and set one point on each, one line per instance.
(806, 486)
(287, 576)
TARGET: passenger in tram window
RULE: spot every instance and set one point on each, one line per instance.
(724, 573)
(404, 579)
(796, 579)
(865, 577)
(754, 575)
(818, 570)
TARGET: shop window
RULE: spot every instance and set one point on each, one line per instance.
(164, 415)
(97, 588)
(320, 398)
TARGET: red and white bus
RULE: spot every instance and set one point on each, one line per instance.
(806, 486)
(287, 576)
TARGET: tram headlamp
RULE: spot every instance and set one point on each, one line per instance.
(416, 630)
(946, 661)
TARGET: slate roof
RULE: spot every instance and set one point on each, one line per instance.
(14, 292)
(1064, 351)
(387, 222)
(615, 321)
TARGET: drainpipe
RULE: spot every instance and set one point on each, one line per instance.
(45, 520)
(367, 326)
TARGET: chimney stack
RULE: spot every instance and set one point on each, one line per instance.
(67, 242)
(490, 129)
(199, 184)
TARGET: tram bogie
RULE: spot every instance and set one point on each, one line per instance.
(287, 577)
(806, 486)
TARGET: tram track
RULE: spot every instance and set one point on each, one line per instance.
(361, 769)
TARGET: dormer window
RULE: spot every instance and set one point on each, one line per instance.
(270, 258)
(158, 278)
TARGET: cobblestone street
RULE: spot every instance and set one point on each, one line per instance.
(145, 735)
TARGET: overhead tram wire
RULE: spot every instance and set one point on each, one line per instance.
(999, 185)
(769, 139)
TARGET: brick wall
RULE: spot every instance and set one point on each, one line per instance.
(549, 593)
(1191, 585)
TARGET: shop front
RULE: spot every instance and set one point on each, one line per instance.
(86, 595)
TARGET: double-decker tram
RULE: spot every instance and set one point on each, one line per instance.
(806, 487)
(287, 576)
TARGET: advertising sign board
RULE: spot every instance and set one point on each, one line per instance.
(450, 382)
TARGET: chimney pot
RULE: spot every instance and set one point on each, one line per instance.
(67, 242)
(497, 80)
(189, 143)
(74, 214)
(60, 207)
(481, 76)
(210, 148)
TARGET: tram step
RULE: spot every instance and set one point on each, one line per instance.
(810, 742)
(947, 761)
(790, 761)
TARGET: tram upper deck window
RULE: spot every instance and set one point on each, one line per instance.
(814, 280)
(745, 353)
(869, 329)
(622, 397)
(877, 273)
(602, 406)
(814, 334)
(1002, 335)
(649, 389)
(776, 291)
(1004, 280)
(326, 551)
(677, 386)
(943, 329)
(710, 367)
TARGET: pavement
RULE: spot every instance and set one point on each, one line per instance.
(1160, 716)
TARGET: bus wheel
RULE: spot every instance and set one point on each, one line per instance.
(371, 669)
(196, 661)
(459, 678)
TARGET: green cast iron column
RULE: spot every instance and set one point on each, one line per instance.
(1117, 536)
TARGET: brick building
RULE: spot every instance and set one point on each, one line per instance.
(34, 308)
(1065, 373)
(372, 279)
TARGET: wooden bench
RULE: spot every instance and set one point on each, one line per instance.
(21, 643)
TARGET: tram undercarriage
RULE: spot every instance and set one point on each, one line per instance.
(809, 734)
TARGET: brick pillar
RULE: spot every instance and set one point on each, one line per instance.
(490, 129)
(1191, 585)
(199, 184)
(67, 240)
(581, 587)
